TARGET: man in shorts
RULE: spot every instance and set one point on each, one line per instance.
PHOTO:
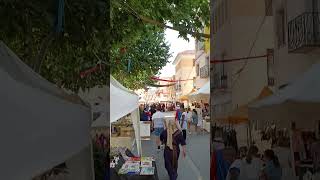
(158, 125)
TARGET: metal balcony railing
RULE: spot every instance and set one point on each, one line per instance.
(204, 71)
(220, 81)
(303, 32)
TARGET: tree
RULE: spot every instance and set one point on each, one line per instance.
(128, 28)
(140, 61)
(86, 39)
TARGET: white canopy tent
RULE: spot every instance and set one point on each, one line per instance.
(204, 90)
(123, 102)
(298, 102)
(202, 93)
(42, 126)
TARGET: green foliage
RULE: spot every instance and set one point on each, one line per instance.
(28, 23)
(145, 43)
(148, 55)
(87, 39)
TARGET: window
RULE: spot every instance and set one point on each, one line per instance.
(268, 7)
(280, 23)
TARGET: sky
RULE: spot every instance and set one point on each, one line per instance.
(177, 45)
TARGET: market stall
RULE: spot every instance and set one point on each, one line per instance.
(295, 107)
(42, 125)
(122, 103)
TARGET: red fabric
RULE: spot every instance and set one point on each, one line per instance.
(213, 167)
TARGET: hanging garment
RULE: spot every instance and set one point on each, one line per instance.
(213, 167)
(222, 166)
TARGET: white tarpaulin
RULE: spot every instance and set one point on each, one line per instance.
(101, 121)
(40, 128)
(123, 102)
(304, 89)
(204, 90)
(299, 102)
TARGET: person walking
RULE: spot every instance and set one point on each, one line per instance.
(195, 120)
(189, 119)
(173, 139)
(272, 169)
(178, 114)
(158, 125)
(200, 117)
(184, 123)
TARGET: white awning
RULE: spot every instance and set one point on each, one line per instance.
(41, 125)
(305, 89)
(122, 100)
(204, 90)
(101, 121)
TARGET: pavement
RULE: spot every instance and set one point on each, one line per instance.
(195, 166)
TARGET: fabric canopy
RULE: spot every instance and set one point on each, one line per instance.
(42, 126)
(241, 114)
(122, 103)
(204, 90)
(298, 102)
(101, 121)
(122, 100)
(183, 98)
(304, 89)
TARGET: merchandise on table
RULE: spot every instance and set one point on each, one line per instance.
(147, 159)
(130, 167)
(134, 159)
(146, 163)
(147, 171)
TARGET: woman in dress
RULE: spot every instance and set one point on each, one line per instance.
(172, 138)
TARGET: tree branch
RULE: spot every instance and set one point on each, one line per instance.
(180, 29)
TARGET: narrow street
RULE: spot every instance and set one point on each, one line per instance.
(195, 166)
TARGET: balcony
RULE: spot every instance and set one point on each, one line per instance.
(204, 71)
(220, 81)
(303, 33)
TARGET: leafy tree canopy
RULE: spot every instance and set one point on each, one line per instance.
(87, 40)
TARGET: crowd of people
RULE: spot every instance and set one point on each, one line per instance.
(248, 165)
(171, 133)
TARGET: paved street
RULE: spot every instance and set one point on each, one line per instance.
(195, 166)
